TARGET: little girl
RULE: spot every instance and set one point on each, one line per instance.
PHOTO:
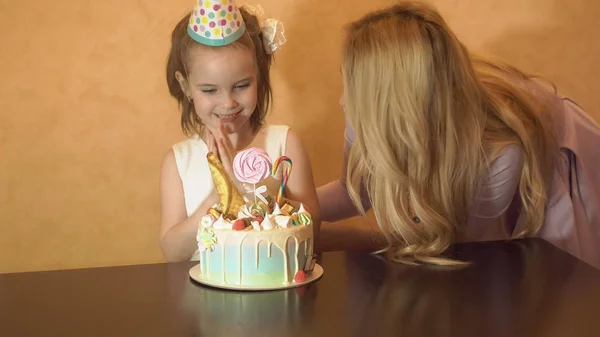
(218, 70)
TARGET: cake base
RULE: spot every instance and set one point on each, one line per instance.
(312, 276)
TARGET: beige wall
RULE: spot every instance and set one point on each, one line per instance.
(86, 117)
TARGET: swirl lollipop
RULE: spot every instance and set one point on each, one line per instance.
(251, 166)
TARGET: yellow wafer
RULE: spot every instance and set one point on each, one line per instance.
(230, 198)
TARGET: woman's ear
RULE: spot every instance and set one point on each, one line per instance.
(183, 83)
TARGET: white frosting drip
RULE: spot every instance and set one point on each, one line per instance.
(200, 255)
(223, 258)
(207, 258)
(296, 253)
(300, 234)
(283, 248)
(240, 258)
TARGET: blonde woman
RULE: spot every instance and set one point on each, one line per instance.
(446, 147)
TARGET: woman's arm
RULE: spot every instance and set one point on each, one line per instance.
(349, 235)
(300, 186)
(334, 201)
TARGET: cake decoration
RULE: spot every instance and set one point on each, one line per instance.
(304, 217)
(259, 209)
(208, 220)
(286, 174)
(252, 165)
(222, 223)
(267, 224)
(239, 225)
(283, 221)
(277, 211)
(276, 234)
(287, 208)
(214, 212)
(271, 202)
(230, 198)
(300, 276)
(206, 240)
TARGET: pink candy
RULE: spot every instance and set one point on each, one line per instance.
(252, 165)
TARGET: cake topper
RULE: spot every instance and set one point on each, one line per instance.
(285, 177)
(251, 166)
(230, 198)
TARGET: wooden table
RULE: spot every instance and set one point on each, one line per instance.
(522, 288)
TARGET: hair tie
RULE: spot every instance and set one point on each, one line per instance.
(272, 29)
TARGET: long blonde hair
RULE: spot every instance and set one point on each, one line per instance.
(429, 119)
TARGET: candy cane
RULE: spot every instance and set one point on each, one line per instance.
(286, 174)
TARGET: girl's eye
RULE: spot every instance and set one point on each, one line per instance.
(243, 86)
(209, 91)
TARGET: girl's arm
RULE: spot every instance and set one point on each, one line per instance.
(300, 186)
(177, 230)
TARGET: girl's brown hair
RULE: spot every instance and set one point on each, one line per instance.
(181, 44)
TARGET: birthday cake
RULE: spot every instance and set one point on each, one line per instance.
(257, 241)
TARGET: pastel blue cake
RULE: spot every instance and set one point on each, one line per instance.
(257, 258)
(254, 251)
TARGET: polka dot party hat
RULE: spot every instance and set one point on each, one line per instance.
(216, 22)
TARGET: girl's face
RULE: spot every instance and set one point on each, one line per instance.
(222, 84)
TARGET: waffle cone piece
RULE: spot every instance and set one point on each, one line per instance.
(230, 198)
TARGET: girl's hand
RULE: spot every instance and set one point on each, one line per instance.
(225, 149)
(210, 141)
(220, 145)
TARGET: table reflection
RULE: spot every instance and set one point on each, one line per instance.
(523, 289)
(216, 312)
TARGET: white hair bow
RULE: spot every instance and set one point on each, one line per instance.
(272, 29)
